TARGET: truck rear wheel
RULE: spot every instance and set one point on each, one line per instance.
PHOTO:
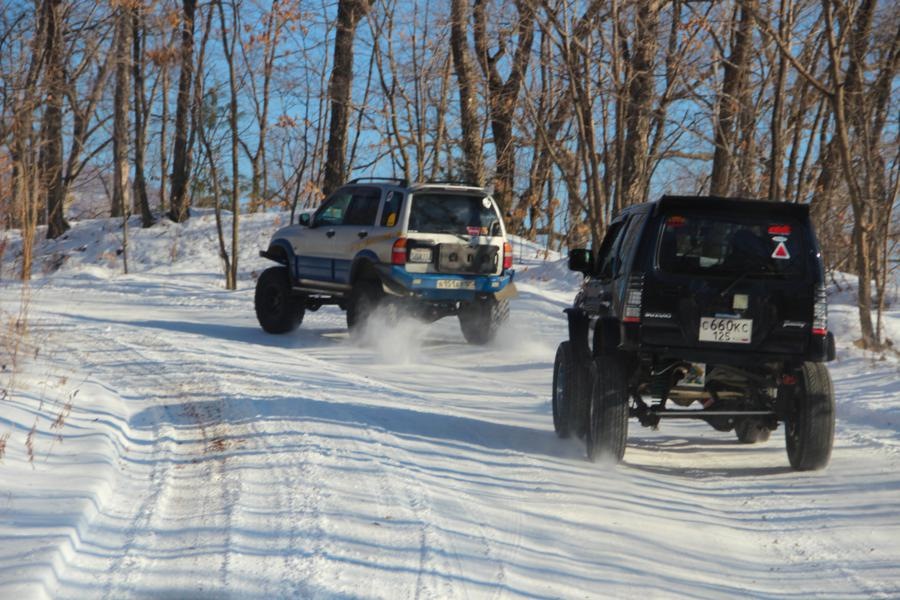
(809, 428)
(607, 429)
(570, 387)
(365, 298)
(278, 310)
(480, 319)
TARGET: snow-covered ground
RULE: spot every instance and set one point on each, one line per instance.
(156, 443)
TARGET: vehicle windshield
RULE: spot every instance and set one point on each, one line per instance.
(711, 245)
(460, 214)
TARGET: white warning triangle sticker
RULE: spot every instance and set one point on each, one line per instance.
(781, 251)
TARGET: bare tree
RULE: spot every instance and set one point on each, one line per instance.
(121, 197)
(348, 16)
(181, 158)
(735, 84)
(228, 49)
(138, 67)
(470, 122)
(503, 95)
(51, 150)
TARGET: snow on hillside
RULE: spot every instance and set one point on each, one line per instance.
(95, 247)
(156, 443)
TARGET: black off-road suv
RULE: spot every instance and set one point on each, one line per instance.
(705, 308)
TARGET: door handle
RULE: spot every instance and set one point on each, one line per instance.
(330, 233)
(362, 234)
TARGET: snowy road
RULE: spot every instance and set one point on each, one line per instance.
(203, 458)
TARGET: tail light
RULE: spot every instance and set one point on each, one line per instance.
(398, 252)
(633, 298)
(820, 312)
(507, 255)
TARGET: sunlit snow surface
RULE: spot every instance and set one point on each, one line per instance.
(177, 451)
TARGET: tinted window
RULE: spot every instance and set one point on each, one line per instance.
(609, 248)
(626, 249)
(695, 245)
(333, 210)
(392, 205)
(452, 213)
(363, 207)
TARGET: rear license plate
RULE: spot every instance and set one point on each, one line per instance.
(730, 331)
(420, 255)
(455, 284)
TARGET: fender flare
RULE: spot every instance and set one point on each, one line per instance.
(364, 266)
(280, 251)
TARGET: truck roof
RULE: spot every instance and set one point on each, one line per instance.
(731, 205)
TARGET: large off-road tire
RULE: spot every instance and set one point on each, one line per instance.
(481, 319)
(607, 428)
(749, 431)
(278, 309)
(365, 298)
(570, 389)
(809, 428)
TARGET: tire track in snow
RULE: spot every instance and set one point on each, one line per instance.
(188, 466)
(130, 365)
(299, 500)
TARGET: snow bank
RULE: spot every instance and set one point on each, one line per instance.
(192, 248)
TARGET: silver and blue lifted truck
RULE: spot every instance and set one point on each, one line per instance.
(430, 250)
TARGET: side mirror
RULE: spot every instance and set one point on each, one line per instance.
(581, 260)
(304, 219)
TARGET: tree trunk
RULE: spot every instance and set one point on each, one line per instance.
(862, 221)
(140, 101)
(635, 155)
(181, 168)
(504, 95)
(733, 84)
(776, 160)
(348, 16)
(473, 160)
(228, 49)
(163, 126)
(121, 201)
(51, 152)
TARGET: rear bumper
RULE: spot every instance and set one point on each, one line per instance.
(429, 286)
(819, 349)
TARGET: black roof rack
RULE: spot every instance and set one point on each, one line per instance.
(398, 180)
(451, 182)
(732, 205)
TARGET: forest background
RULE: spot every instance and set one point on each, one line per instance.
(569, 110)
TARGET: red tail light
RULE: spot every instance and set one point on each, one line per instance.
(820, 312)
(633, 299)
(507, 255)
(398, 252)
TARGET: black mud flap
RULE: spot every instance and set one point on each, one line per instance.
(578, 333)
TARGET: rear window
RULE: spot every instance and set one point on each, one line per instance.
(709, 245)
(452, 213)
